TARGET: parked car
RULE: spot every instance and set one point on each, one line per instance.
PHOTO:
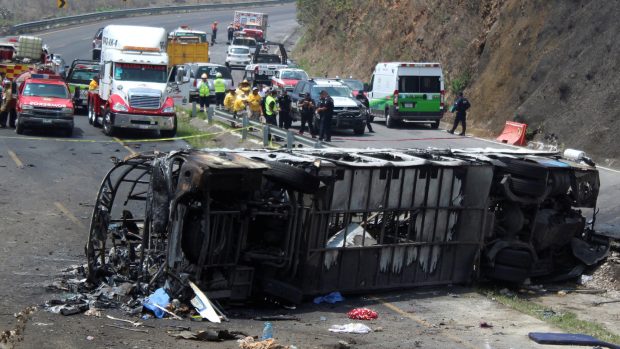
(81, 73)
(238, 56)
(96, 52)
(187, 76)
(44, 101)
(244, 41)
(287, 78)
(348, 111)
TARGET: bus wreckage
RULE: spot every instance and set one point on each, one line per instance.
(291, 224)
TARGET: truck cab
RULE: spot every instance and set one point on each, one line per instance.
(133, 83)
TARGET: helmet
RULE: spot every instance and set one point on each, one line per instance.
(218, 75)
(245, 81)
(203, 76)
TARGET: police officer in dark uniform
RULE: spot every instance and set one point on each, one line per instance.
(326, 112)
(364, 100)
(461, 104)
(307, 115)
(284, 103)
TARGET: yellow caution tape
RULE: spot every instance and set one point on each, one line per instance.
(122, 140)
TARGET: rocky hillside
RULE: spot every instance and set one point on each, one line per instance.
(552, 64)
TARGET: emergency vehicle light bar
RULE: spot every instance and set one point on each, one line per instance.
(419, 65)
(45, 76)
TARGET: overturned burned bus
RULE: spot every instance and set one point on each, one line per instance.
(292, 224)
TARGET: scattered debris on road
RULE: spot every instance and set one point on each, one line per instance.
(362, 314)
(351, 328)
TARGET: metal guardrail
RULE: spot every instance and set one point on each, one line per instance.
(97, 16)
(292, 140)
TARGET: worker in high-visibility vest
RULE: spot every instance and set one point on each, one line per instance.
(229, 100)
(203, 93)
(271, 106)
(219, 85)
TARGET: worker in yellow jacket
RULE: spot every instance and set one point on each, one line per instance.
(240, 105)
(229, 100)
(255, 101)
(244, 88)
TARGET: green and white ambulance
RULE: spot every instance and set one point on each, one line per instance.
(407, 91)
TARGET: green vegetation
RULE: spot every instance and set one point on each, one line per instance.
(185, 128)
(460, 82)
(565, 320)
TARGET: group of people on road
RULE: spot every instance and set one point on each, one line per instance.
(274, 107)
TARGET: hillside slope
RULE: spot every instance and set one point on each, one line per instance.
(552, 63)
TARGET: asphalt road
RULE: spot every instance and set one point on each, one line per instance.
(48, 185)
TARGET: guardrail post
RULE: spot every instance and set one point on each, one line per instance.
(210, 113)
(290, 138)
(266, 131)
(244, 130)
(194, 112)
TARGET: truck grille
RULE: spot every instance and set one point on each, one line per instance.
(47, 112)
(144, 102)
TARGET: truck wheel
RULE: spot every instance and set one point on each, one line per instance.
(168, 133)
(528, 186)
(528, 169)
(108, 128)
(359, 130)
(19, 128)
(389, 119)
(91, 113)
(292, 177)
(435, 125)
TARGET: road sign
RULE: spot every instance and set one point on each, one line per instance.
(61, 3)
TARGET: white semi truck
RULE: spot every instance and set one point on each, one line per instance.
(133, 80)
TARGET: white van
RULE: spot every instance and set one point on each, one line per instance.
(407, 91)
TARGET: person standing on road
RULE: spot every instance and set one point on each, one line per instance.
(203, 92)
(461, 104)
(307, 115)
(239, 105)
(285, 105)
(213, 32)
(326, 112)
(364, 100)
(7, 108)
(229, 100)
(255, 102)
(271, 106)
(219, 85)
(231, 32)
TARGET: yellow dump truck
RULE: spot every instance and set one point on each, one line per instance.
(186, 45)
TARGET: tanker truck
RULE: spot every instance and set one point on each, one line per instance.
(133, 80)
